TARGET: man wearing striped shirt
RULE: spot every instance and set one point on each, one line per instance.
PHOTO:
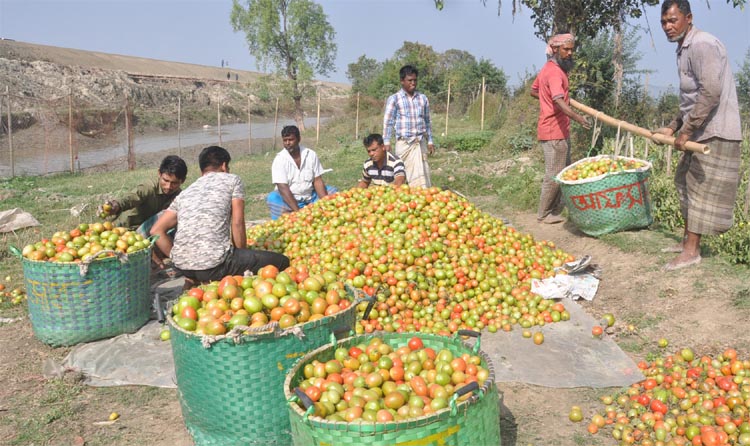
(408, 114)
(382, 168)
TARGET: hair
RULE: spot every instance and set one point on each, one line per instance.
(174, 165)
(407, 70)
(290, 130)
(373, 137)
(214, 157)
(682, 5)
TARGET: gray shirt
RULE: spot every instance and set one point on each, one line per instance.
(708, 94)
(204, 216)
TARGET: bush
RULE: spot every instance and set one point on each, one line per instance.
(734, 244)
(664, 201)
(466, 142)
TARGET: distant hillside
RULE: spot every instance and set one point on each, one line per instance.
(48, 72)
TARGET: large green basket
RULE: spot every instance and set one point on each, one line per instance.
(231, 387)
(474, 422)
(70, 303)
(615, 201)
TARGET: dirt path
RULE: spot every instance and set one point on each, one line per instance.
(691, 307)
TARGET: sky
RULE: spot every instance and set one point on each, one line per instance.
(199, 31)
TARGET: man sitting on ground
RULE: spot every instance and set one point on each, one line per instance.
(297, 173)
(382, 168)
(140, 209)
(210, 241)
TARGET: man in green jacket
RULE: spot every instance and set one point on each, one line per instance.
(141, 208)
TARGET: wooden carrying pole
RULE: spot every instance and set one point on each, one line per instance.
(624, 125)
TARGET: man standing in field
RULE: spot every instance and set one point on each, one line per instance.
(408, 113)
(709, 113)
(553, 127)
(382, 168)
(297, 174)
(210, 241)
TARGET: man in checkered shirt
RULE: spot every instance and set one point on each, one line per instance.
(408, 114)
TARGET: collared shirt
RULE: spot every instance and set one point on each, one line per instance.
(410, 115)
(204, 217)
(300, 179)
(552, 83)
(708, 94)
(141, 204)
(372, 174)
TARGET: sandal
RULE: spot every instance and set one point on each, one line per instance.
(671, 266)
(169, 273)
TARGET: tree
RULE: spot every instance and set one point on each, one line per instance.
(580, 17)
(362, 72)
(743, 85)
(293, 37)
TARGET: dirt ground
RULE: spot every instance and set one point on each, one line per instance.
(692, 307)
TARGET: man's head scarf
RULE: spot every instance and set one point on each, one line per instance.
(558, 40)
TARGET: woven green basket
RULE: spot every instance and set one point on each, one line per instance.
(474, 422)
(615, 201)
(231, 387)
(70, 303)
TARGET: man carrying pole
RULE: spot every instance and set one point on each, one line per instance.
(709, 113)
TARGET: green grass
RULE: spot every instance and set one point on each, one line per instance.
(56, 403)
(741, 299)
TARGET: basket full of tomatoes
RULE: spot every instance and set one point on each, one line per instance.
(88, 283)
(233, 342)
(606, 194)
(390, 388)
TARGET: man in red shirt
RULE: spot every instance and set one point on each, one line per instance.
(553, 128)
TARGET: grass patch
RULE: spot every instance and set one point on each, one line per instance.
(56, 404)
(741, 299)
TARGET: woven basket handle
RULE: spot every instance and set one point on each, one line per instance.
(308, 404)
(473, 334)
(461, 391)
(83, 267)
(15, 251)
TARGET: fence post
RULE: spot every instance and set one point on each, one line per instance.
(129, 131)
(275, 123)
(447, 108)
(218, 117)
(481, 125)
(70, 130)
(10, 134)
(179, 124)
(249, 129)
(356, 121)
(317, 124)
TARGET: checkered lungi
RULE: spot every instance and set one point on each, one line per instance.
(556, 158)
(414, 156)
(707, 186)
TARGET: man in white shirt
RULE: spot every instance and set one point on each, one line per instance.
(297, 174)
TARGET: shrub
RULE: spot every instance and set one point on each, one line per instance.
(466, 142)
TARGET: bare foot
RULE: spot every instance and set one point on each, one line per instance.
(682, 261)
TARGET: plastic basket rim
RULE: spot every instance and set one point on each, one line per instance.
(488, 386)
(646, 168)
(269, 330)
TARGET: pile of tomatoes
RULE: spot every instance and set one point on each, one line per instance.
(85, 241)
(434, 262)
(684, 400)
(379, 382)
(596, 167)
(289, 297)
(12, 295)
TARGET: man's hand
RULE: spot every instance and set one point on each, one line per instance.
(584, 122)
(680, 141)
(666, 131)
(430, 148)
(108, 209)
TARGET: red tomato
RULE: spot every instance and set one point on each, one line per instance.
(415, 343)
